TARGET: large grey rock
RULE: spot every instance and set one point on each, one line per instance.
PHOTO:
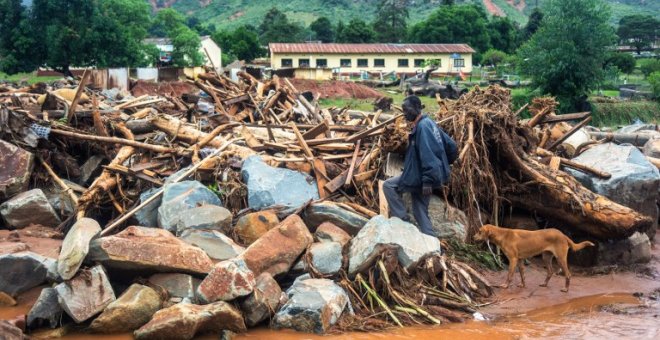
(20, 272)
(652, 148)
(15, 171)
(447, 221)
(268, 186)
(318, 213)
(85, 295)
(206, 217)
(635, 182)
(76, 246)
(184, 320)
(326, 257)
(30, 207)
(91, 168)
(635, 249)
(228, 280)
(216, 245)
(328, 232)
(176, 285)
(46, 311)
(264, 300)
(130, 311)
(60, 200)
(411, 243)
(148, 216)
(314, 306)
(179, 197)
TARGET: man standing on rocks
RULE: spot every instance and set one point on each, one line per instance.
(426, 167)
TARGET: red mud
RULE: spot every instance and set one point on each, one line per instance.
(493, 8)
(335, 89)
(171, 88)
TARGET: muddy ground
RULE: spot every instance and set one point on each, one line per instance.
(621, 303)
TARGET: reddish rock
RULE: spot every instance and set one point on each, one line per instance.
(264, 301)
(15, 171)
(85, 295)
(328, 232)
(184, 320)
(6, 300)
(228, 280)
(12, 247)
(276, 251)
(250, 227)
(140, 248)
(9, 331)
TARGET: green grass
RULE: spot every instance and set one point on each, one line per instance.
(624, 112)
(30, 78)
(430, 105)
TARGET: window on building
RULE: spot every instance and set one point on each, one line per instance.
(287, 62)
(363, 62)
(402, 63)
(419, 62)
(344, 63)
(321, 62)
(379, 62)
(303, 62)
(459, 62)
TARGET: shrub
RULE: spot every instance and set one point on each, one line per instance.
(649, 66)
(624, 112)
(654, 80)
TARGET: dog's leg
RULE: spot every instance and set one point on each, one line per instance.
(513, 263)
(547, 258)
(567, 273)
(521, 269)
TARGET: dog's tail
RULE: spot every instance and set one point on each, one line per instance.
(579, 246)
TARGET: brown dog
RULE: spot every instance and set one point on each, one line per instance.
(518, 245)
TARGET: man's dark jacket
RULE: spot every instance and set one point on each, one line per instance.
(430, 152)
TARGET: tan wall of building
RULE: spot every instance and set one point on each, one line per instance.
(313, 73)
(390, 60)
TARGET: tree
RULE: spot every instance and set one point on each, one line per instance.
(448, 2)
(638, 30)
(649, 66)
(357, 31)
(18, 44)
(654, 80)
(493, 57)
(186, 45)
(242, 43)
(276, 27)
(390, 23)
(565, 56)
(503, 34)
(623, 61)
(454, 24)
(533, 24)
(166, 21)
(323, 31)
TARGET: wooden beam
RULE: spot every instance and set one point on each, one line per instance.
(301, 140)
(564, 117)
(349, 175)
(383, 207)
(317, 130)
(569, 133)
(76, 97)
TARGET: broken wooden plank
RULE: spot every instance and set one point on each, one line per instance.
(351, 168)
(76, 97)
(564, 117)
(316, 131)
(321, 176)
(569, 133)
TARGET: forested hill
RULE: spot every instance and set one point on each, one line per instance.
(232, 13)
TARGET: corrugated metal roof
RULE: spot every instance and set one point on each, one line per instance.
(368, 48)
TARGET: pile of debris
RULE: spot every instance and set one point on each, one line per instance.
(244, 203)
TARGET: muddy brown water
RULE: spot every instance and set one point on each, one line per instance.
(597, 307)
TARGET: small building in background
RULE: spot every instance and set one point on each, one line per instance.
(352, 59)
(211, 52)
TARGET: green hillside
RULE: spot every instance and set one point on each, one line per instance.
(232, 13)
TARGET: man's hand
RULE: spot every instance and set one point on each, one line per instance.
(427, 189)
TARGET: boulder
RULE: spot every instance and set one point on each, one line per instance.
(635, 182)
(6, 300)
(20, 272)
(176, 285)
(184, 321)
(379, 232)
(76, 246)
(447, 221)
(278, 249)
(264, 300)
(652, 148)
(326, 257)
(130, 311)
(29, 207)
(60, 200)
(318, 213)
(90, 169)
(15, 171)
(9, 331)
(46, 311)
(206, 217)
(634, 249)
(151, 249)
(86, 295)
(250, 227)
(148, 216)
(228, 280)
(314, 306)
(328, 232)
(216, 245)
(268, 186)
(179, 197)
